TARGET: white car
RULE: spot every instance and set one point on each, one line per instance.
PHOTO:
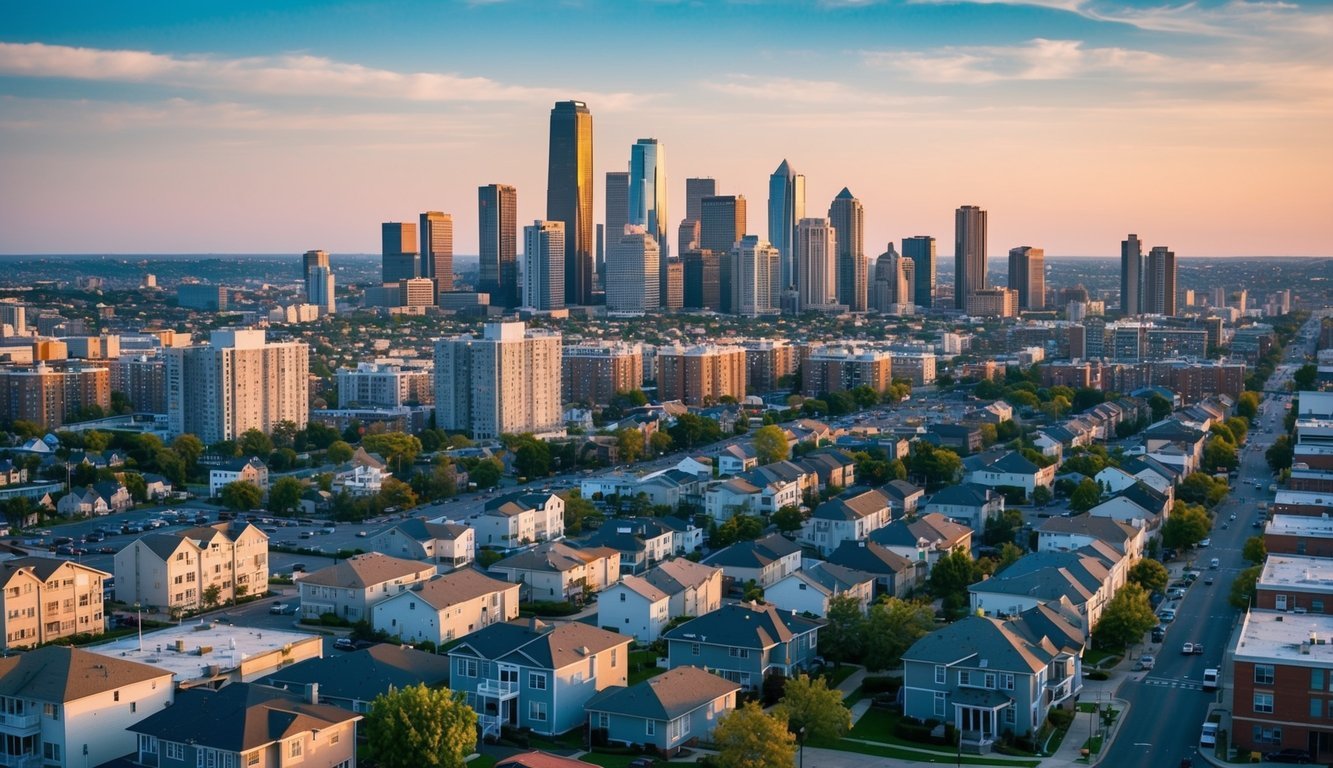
(1209, 736)
(1146, 662)
(1206, 543)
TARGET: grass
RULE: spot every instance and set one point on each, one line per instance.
(836, 675)
(946, 758)
(482, 761)
(642, 666)
(1094, 657)
(620, 761)
(1093, 745)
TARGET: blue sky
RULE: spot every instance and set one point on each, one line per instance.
(236, 127)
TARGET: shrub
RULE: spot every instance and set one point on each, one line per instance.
(1098, 674)
(1060, 718)
(881, 684)
(551, 607)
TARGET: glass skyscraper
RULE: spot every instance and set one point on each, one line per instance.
(497, 214)
(786, 206)
(569, 194)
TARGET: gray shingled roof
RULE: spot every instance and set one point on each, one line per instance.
(365, 570)
(59, 674)
(754, 554)
(744, 625)
(534, 643)
(664, 697)
(362, 675)
(239, 717)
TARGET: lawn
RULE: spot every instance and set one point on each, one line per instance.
(951, 757)
(836, 675)
(618, 761)
(642, 665)
(481, 761)
(1094, 657)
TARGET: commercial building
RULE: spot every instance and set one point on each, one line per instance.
(891, 291)
(633, 273)
(648, 194)
(786, 207)
(508, 381)
(569, 196)
(721, 227)
(399, 259)
(969, 255)
(755, 289)
(617, 215)
(416, 292)
(921, 250)
(497, 247)
(817, 263)
(702, 280)
(1281, 683)
(1131, 276)
(848, 219)
(544, 253)
(992, 302)
(437, 249)
(768, 362)
(142, 379)
(700, 375)
(842, 369)
(593, 373)
(1027, 275)
(211, 298)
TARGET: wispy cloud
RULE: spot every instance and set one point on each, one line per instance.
(799, 91)
(1237, 18)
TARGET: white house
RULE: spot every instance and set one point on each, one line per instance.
(764, 561)
(846, 518)
(1012, 470)
(516, 519)
(557, 571)
(250, 470)
(1114, 479)
(693, 588)
(810, 589)
(446, 544)
(725, 500)
(446, 607)
(633, 606)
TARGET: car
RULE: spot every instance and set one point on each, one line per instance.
(1290, 755)
(1198, 649)
(328, 529)
(1208, 580)
(65, 550)
(1206, 543)
(282, 609)
(1187, 649)
(1158, 633)
(306, 535)
(1209, 736)
(62, 540)
(361, 534)
(1175, 594)
(1167, 615)
(1214, 564)
(95, 537)
(106, 550)
(1146, 662)
(298, 567)
(1257, 524)
(1210, 678)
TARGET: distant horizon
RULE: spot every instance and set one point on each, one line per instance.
(472, 256)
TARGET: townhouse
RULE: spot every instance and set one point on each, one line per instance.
(762, 561)
(350, 588)
(46, 598)
(666, 712)
(967, 503)
(745, 643)
(850, 517)
(516, 519)
(809, 590)
(448, 545)
(178, 570)
(1087, 577)
(558, 571)
(1008, 469)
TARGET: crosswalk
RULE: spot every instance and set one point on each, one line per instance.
(1165, 683)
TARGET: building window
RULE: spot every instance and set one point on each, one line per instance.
(650, 727)
(989, 681)
(1007, 682)
(939, 703)
(537, 711)
(52, 711)
(147, 744)
(295, 748)
(50, 751)
(964, 677)
(537, 681)
(174, 750)
(604, 720)
(1316, 606)
(1316, 708)
(1264, 735)
(467, 667)
(1263, 703)
(1316, 679)
(939, 674)
(694, 649)
(1263, 674)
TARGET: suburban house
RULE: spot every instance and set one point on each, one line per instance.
(1085, 577)
(904, 497)
(520, 518)
(363, 475)
(763, 561)
(641, 541)
(83, 503)
(924, 539)
(350, 588)
(529, 674)
(538, 759)
(633, 606)
(989, 677)
(849, 517)
(63, 706)
(352, 680)
(447, 545)
(246, 724)
(693, 589)
(446, 607)
(833, 467)
(1048, 446)
(670, 488)
(1156, 474)
(894, 574)
(46, 598)
(961, 437)
(558, 571)
(810, 589)
(744, 643)
(178, 570)
(1067, 533)
(1009, 469)
(731, 497)
(663, 713)
(250, 470)
(967, 503)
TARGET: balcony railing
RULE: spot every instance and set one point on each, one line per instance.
(21, 761)
(498, 688)
(20, 722)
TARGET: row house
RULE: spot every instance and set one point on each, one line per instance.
(1299, 535)
(46, 598)
(176, 571)
(446, 607)
(558, 571)
(251, 470)
(516, 519)
(350, 588)
(745, 643)
(448, 545)
(1078, 531)
(643, 606)
(850, 517)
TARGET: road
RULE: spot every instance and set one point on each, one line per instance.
(1168, 704)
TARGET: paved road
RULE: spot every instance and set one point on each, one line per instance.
(1168, 705)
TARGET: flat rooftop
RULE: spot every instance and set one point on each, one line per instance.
(1285, 637)
(227, 647)
(1300, 525)
(1307, 574)
(1304, 498)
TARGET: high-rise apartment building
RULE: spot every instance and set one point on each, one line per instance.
(817, 255)
(1131, 276)
(437, 249)
(633, 274)
(14, 315)
(238, 381)
(848, 218)
(51, 395)
(595, 372)
(399, 259)
(786, 206)
(371, 385)
(319, 289)
(143, 381)
(1159, 282)
(841, 369)
(497, 246)
(755, 267)
(722, 225)
(687, 236)
(543, 265)
(891, 291)
(617, 216)
(700, 375)
(569, 195)
(702, 283)
(921, 250)
(768, 363)
(508, 381)
(673, 295)
(1027, 275)
(969, 254)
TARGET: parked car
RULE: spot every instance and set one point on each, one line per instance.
(1167, 615)
(282, 609)
(345, 644)
(1147, 662)
(1299, 756)
(1206, 543)
(1209, 736)
(298, 567)
(1158, 633)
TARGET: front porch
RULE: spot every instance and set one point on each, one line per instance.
(976, 717)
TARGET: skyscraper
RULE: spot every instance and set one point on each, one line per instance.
(702, 283)
(497, 224)
(1131, 276)
(921, 250)
(817, 249)
(544, 265)
(319, 289)
(969, 253)
(569, 194)
(786, 206)
(1027, 275)
(633, 277)
(891, 290)
(398, 254)
(721, 226)
(688, 233)
(506, 382)
(648, 190)
(312, 259)
(238, 381)
(617, 216)
(755, 274)
(848, 218)
(1159, 282)
(437, 249)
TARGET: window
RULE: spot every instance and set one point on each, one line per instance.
(1316, 708)
(252, 759)
(739, 653)
(50, 751)
(694, 649)
(147, 744)
(603, 720)
(939, 703)
(939, 674)
(1316, 606)
(964, 677)
(1264, 735)
(537, 680)
(174, 750)
(467, 667)
(52, 711)
(335, 738)
(622, 597)
(613, 657)
(1316, 679)
(1263, 702)
(650, 727)
(1263, 674)
(115, 695)
(1010, 715)
(1007, 682)
(295, 748)
(989, 680)
(537, 711)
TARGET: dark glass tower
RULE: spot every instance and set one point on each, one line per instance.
(497, 215)
(569, 194)
(921, 250)
(969, 253)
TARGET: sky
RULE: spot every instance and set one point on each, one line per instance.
(235, 127)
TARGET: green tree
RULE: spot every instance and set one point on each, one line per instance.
(189, 448)
(770, 443)
(1305, 376)
(1125, 618)
(891, 628)
(396, 493)
(1041, 496)
(1239, 427)
(486, 473)
(1202, 488)
(660, 442)
(94, 440)
(211, 595)
(240, 495)
(950, 578)
(936, 466)
(748, 737)
(284, 434)
(339, 451)
(399, 449)
(1280, 454)
(285, 494)
(788, 518)
(989, 434)
(1160, 406)
(809, 704)
(843, 637)
(1149, 574)
(1247, 405)
(1220, 455)
(1010, 553)
(420, 727)
(134, 483)
(1087, 464)
(255, 443)
(630, 442)
(577, 511)
(1242, 588)
(1255, 551)
(1188, 525)
(533, 457)
(171, 466)
(1086, 496)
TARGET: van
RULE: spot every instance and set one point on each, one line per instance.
(1214, 563)
(1210, 679)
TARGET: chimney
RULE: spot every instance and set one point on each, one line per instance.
(312, 693)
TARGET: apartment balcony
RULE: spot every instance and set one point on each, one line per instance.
(498, 689)
(21, 761)
(21, 725)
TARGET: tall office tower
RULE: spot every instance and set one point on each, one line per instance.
(687, 235)
(1027, 275)
(600, 257)
(909, 276)
(817, 249)
(437, 249)
(569, 194)
(756, 268)
(848, 219)
(891, 289)
(319, 289)
(673, 290)
(702, 281)
(648, 190)
(398, 254)
(236, 382)
(1131, 276)
(1159, 282)
(617, 206)
(921, 250)
(786, 206)
(15, 315)
(633, 275)
(721, 226)
(969, 253)
(506, 382)
(312, 259)
(497, 245)
(1219, 296)
(544, 265)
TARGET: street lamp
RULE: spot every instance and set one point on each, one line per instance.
(800, 740)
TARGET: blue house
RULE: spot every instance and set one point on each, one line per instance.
(745, 642)
(664, 712)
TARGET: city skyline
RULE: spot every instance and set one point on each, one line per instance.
(306, 126)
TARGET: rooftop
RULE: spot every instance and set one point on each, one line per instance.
(1308, 574)
(230, 646)
(1277, 636)
(1299, 525)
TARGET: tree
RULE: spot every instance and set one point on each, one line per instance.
(1219, 454)
(1280, 454)
(1247, 406)
(211, 595)
(950, 578)
(843, 637)
(533, 457)
(284, 495)
(737, 528)
(1161, 407)
(255, 443)
(748, 737)
(1087, 464)
(1010, 553)
(770, 443)
(1242, 589)
(660, 442)
(1125, 618)
(630, 442)
(396, 493)
(1041, 496)
(1149, 574)
(420, 727)
(1305, 376)
(577, 509)
(809, 704)
(1255, 551)
(892, 627)
(171, 466)
(1239, 427)
(399, 449)
(339, 451)
(240, 495)
(1086, 496)
(487, 473)
(284, 434)
(788, 518)
(989, 434)
(936, 466)
(134, 483)
(691, 431)
(189, 448)
(1188, 525)
(1202, 488)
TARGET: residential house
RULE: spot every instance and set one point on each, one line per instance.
(728, 498)
(446, 607)
(46, 598)
(634, 606)
(809, 590)
(737, 458)
(961, 437)
(539, 759)
(246, 724)
(1049, 446)
(447, 545)
(971, 505)
(515, 519)
(663, 713)
(780, 484)
(1078, 531)
(1010, 469)
(558, 571)
(178, 570)
(924, 540)
(833, 467)
(529, 674)
(83, 503)
(671, 488)
(350, 588)
(157, 487)
(762, 561)
(692, 589)
(12, 473)
(363, 475)
(69, 707)
(1087, 578)
(641, 541)
(352, 680)
(251, 470)
(744, 643)
(849, 517)
(895, 575)
(1114, 479)
(686, 537)
(904, 498)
